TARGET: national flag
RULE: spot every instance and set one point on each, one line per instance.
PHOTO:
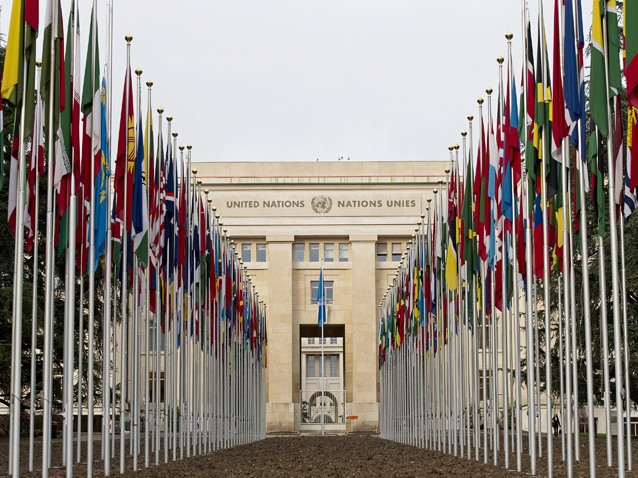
(90, 169)
(168, 263)
(571, 83)
(467, 219)
(102, 182)
(599, 90)
(1, 141)
(560, 129)
(125, 160)
(630, 199)
(613, 49)
(18, 75)
(512, 163)
(19, 60)
(34, 172)
(631, 51)
(618, 157)
(53, 94)
(597, 183)
(528, 127)
(538, 239)
(69, 141)
(451, 264)
(139, 232)
(321, 301)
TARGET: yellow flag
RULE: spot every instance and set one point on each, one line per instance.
(13, 55)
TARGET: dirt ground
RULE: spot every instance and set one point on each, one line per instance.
(328, 456)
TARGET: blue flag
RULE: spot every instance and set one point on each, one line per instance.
(101, 183)
(321, 300)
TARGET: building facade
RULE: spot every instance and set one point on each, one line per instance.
(290, 219)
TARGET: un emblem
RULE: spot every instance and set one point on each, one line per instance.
(321, 204)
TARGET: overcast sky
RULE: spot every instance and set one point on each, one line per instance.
(297, 80)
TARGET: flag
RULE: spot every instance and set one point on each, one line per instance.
(125, 159)
(92, 140)
(631, 179)
(560, 128)
(34, 172)
(20, 54)
(1, 141)
(613, 49)
(571, 84)
(69, 141)
(599, 91)
(53, 41)
(321, 301)
(529, 125)
(618, 157)
(597, 183)
(469, 250)
(451, 264)
(139, 232)
(19, 74)
(631, 51)
(102, 182)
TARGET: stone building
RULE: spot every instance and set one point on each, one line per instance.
(288, 220)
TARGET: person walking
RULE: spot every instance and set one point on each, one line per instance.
(555, 424)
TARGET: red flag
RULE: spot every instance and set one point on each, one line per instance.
(125, 159)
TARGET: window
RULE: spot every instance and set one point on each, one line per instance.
(328, 286)
(344, 252)
(300, 251)
(396, 251)
(246, 250)
(334, 366)
(261, 252)
(151, 387)
(313, 251)
(382, 252)
(151, 337)
(310, 366)
(329, 252)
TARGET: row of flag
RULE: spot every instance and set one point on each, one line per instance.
(512, 215)
(149, 231)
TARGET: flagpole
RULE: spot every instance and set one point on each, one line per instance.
(159, 313)
(48, 304)
(472, 283)
(494, 323)
(108, 375)
(614, 271)
(124, 270)
(91, 264)
(177, 377)
(168, 374)
(322, 312)
(18, 274)
(500, 230)
(148, 379)
(69, 303)
(70, 279)
(625, 343)
(36, 144)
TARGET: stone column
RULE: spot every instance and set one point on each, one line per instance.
(280, 415)
(364, 354)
